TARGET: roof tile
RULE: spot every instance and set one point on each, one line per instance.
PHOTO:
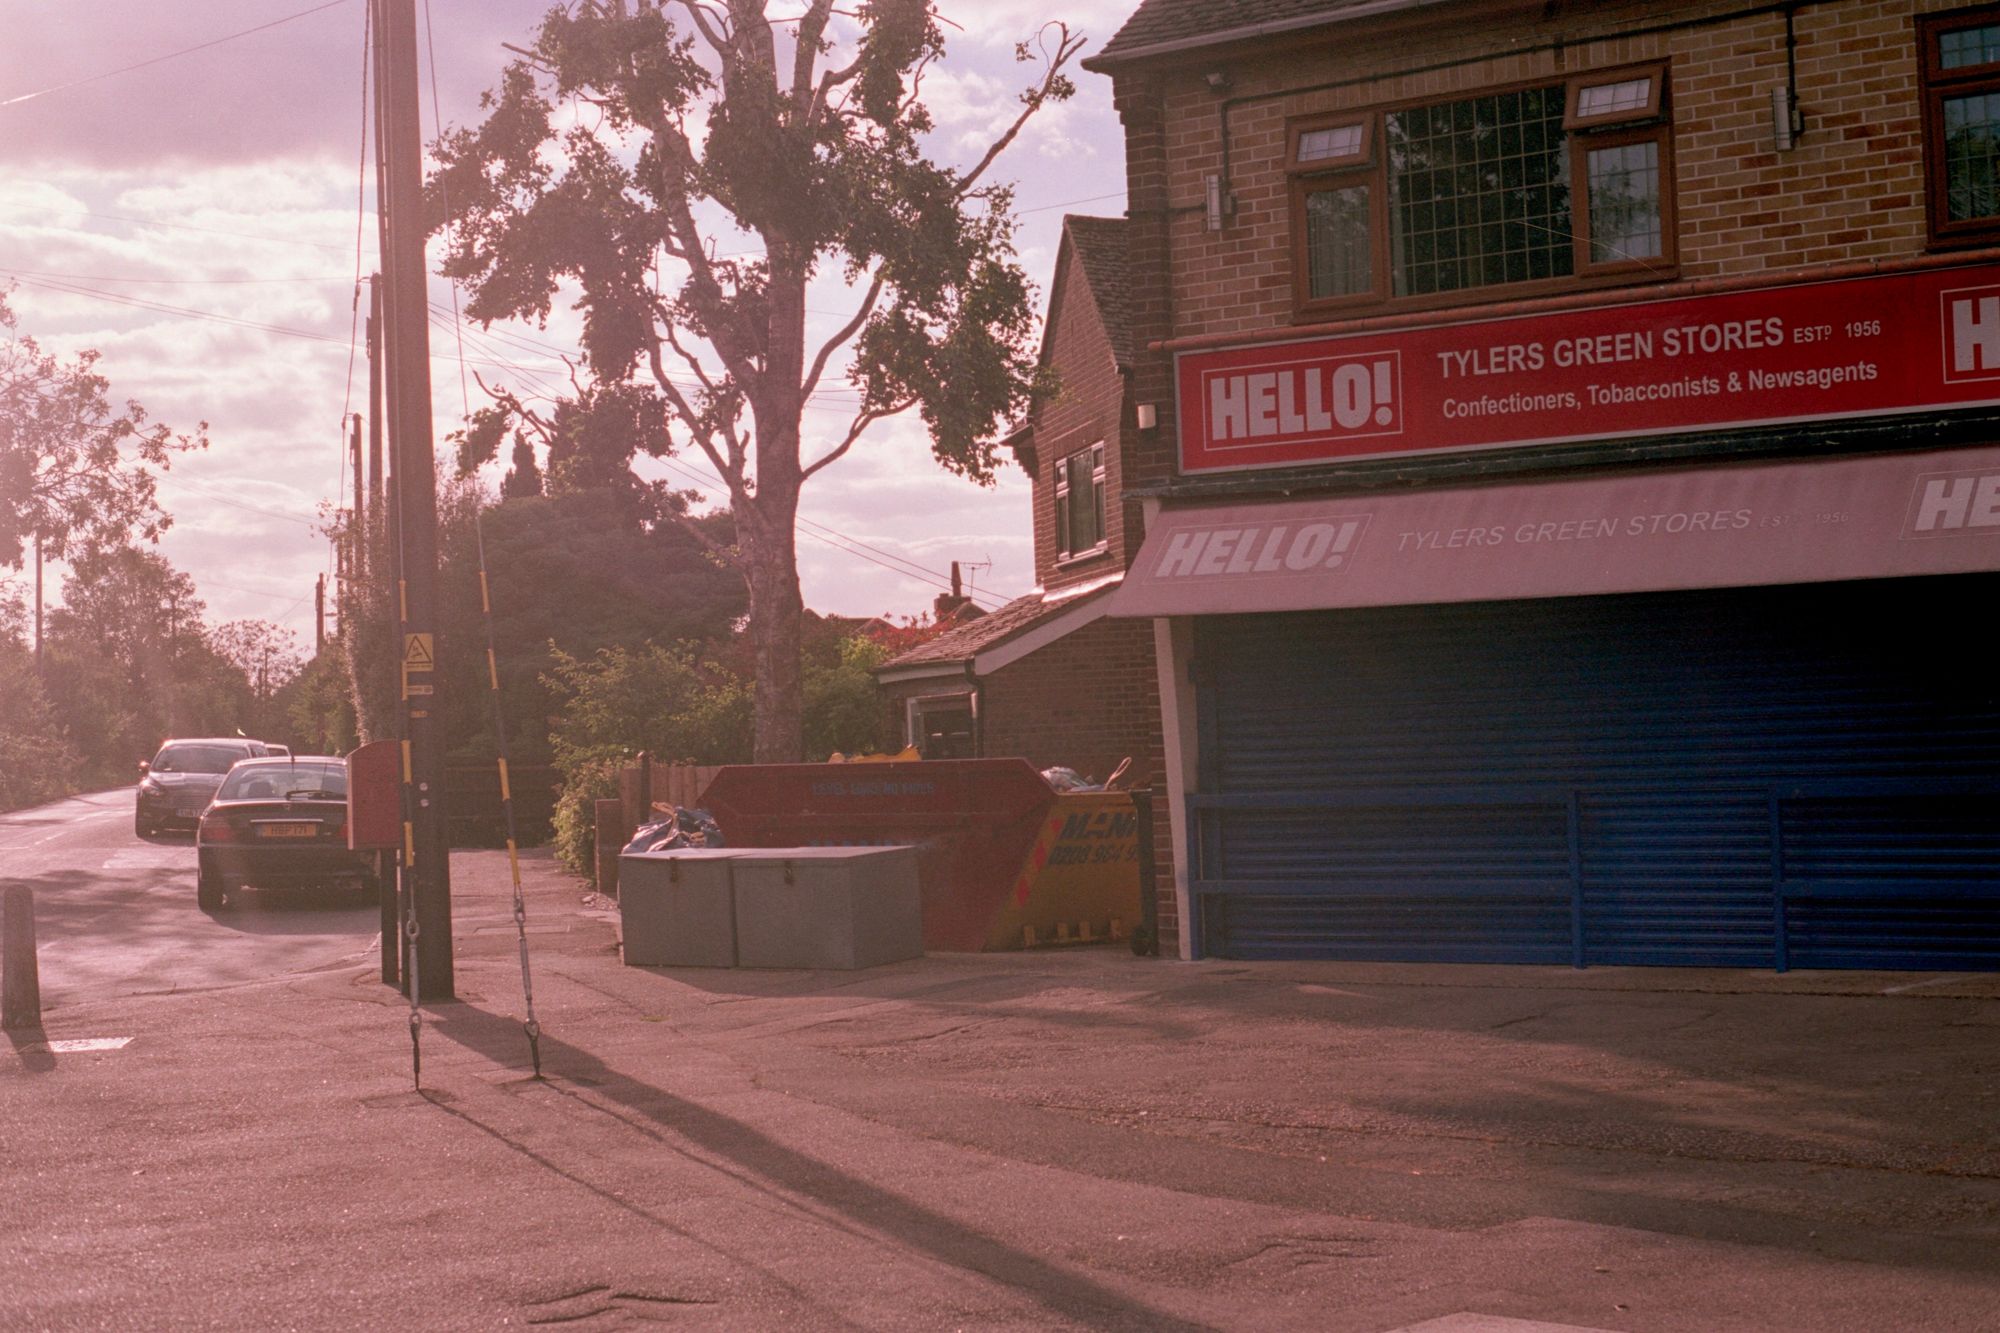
(1187, 22)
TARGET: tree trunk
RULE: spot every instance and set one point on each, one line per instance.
(770, 550)
(770, 540)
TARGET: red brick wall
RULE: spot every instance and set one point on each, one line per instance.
(1089, 409)
(1087, 701)
(1851, 190)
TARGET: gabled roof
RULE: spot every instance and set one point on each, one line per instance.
(1016, 618)
(1100, 245)
(1098, 249)
(1162, 27)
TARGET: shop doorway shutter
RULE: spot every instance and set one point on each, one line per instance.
(1799, 776)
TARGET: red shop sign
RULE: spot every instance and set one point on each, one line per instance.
(1866, 346)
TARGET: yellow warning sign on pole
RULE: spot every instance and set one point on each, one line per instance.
(417, 652)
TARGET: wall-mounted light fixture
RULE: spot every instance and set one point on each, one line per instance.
(1148, 416)
(1211, 188)
(1787, 121)
(1217, 81)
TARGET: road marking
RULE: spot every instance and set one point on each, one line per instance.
(1919, 985)
(73, 1045)
(1468, 1322)
(146, 858)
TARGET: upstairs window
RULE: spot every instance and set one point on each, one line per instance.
(1525, 186)
(1080, 503)
(1960, 67)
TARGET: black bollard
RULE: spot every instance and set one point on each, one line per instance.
(20, 981)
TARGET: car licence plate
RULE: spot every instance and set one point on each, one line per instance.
(301, 830)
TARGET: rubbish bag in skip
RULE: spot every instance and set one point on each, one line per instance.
(683, 828)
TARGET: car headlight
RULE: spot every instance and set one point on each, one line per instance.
(152, 788)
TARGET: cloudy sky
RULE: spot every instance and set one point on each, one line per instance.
(194, 217)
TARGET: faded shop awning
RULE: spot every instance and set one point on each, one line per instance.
(1794, 522)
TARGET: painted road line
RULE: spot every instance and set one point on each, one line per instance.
(1468, 1322)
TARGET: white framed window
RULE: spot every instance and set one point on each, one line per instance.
(944, 726)
(1080, 503)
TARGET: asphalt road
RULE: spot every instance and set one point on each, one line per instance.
(1072, 1139)
(115, 914)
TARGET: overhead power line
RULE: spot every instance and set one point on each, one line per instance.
(162, 307)
(171, 55)
(329, 280)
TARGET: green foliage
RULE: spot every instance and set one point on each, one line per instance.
(701, 132)
(668, 702)
(524, 477)
(129, 663)
(575, 820)
(844, 708)
(681, 707)
(675, 706)
(73, 467)
(578, 572)
(36, 761)
(317, 706)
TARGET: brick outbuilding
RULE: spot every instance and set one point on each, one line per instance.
(1049, 676)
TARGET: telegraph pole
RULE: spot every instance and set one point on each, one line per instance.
(38, 602)
(375, 395)
(401, 135)
(357, 530)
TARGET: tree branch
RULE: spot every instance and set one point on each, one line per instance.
(861, 423)
(1067, 45)
(698, 430)
(805, 55)
(714, 28)
(839, 339)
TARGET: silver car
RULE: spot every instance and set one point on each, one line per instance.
(182, 778)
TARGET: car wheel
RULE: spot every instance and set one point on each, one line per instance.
(143, 829)
(208, 894)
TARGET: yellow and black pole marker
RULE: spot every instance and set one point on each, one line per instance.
(427, 864)
(531, 1027)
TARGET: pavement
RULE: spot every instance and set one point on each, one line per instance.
(1058, 1139)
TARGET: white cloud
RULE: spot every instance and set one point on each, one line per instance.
(225, 184)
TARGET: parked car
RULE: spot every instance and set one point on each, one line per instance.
(181, 780)
(277, 822)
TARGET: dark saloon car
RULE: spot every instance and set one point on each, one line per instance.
(275, 823)
(181, 780)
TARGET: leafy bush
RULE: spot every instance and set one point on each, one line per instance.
(677, 707)
(844, 709)
(36, 762)
(576, 812)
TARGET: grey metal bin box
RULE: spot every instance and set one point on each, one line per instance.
(835, 907)
(677, 908)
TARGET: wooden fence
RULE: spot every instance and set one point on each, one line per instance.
(472, 804)
(644, 782)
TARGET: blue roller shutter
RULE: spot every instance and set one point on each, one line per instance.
(1798, 776)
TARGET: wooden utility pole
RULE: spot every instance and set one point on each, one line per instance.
(319, 615)
(38, 602)
(375, 395)
(408, 341)
(357, 530)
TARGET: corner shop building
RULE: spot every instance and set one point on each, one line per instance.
(1740, 713)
